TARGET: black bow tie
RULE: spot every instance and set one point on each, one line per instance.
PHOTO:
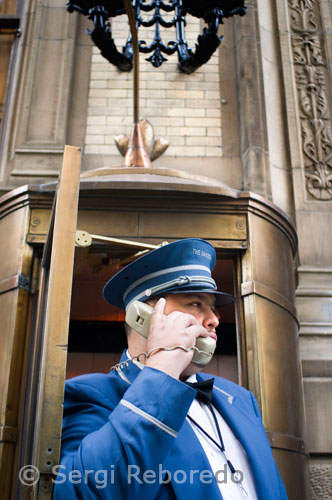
(204, 390)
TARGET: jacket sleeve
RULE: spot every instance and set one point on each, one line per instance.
(111, 454)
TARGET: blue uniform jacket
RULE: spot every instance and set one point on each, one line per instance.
(127, 437)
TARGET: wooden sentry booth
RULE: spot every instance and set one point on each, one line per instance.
(255, 243)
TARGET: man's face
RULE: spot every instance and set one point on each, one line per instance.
(202, 307)
(199, 305)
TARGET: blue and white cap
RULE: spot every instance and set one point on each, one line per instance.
(180, 267)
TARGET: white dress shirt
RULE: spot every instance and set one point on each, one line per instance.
(229, 489)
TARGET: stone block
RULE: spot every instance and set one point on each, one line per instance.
(203, 141)
(100, 150)
(211, 77)
(318, 402)
(96, 120)
(163, 84)
(98, 84)
(213, 151)
(184, 151)
(186, 131)
(187, 112)
(109, 93)
(154, 94)
(213, 131)
(184, 94)
(94, 139)
(202, 103)
(204, 122)
(151, 113)
(211, 94)
(97, 102)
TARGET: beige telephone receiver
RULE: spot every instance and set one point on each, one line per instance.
(138, 317)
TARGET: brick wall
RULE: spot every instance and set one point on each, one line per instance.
(185, 109)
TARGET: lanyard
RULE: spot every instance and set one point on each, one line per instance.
(235, 474)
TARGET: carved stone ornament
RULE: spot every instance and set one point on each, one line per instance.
(315, 115)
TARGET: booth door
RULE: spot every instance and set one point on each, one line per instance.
(47, 337)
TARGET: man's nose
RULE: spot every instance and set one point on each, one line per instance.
(211, 320)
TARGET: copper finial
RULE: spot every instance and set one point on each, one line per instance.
(136, 156)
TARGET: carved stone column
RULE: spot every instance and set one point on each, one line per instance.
(305, 44)
(253, 138)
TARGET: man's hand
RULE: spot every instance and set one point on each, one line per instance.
(174, 329)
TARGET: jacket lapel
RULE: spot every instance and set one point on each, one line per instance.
(249, 430)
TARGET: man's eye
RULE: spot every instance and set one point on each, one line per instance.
(195, 304)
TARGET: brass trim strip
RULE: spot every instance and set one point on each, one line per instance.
(36, 239)
(83, 239)
(8, 434)
(13, 282)
(286, 442)
(56, 280)
(218, 244)
(255, 287)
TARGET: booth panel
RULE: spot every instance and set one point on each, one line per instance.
(282, 394)
(15, 270)
(12, 341)
(272, 259)
(293, 468)
(101, 222)
(108, 223)
(6, 460)
(186, 225)
(12, 238)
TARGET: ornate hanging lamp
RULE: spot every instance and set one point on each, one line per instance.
(148, 14)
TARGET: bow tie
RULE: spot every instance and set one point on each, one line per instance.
(204, 390)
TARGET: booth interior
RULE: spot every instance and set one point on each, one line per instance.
(96, 331)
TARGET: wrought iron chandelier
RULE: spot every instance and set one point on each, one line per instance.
(211, 11)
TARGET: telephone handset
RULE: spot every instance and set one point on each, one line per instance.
(138, 317)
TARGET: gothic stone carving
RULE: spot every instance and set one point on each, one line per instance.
(313, 95)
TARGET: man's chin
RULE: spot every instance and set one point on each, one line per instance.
(191, 370)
